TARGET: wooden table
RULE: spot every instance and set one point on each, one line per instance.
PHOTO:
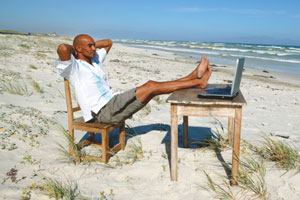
(186, 103)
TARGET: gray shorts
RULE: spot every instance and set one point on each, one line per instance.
(119, 108)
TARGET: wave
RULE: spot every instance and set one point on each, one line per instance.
(221, 53)
(277, 53)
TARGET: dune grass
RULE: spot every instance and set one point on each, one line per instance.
(251, 182)
(220, 140)
(36, 86)
(25, 46)
(129, 131)
(252, 177)
(78, 156)
(15, 88)
(222, 191)
(135, 147)
(285, 156)
(32, 67)
(135, 151)
(58, 190)
(61, 94)
(157, 99)
(54, 189)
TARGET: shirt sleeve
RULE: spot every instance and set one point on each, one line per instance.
(65, 68)
(101, 54)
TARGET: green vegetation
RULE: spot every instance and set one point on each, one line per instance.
(135, 151)
(36, 87)
(25, 46)
(58, 190)
(77, 156)
(251, 181)
(252, 177)
(157, 100)
(32, 67)
(222, 191)
(283, 154)
(15, 88)
(54, 189)
(13, 32)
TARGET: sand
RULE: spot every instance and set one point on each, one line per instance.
(30, 134)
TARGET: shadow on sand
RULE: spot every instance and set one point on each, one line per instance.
(197, 138)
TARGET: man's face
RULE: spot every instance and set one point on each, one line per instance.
(87, 47)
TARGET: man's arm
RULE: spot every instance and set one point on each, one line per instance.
(64, 51)
(106, 44)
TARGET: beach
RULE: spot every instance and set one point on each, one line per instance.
(33, 109)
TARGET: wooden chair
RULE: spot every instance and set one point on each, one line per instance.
(103, 129)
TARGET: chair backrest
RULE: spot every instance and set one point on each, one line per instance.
(70, 108)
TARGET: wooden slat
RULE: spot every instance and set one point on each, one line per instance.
(205, 111)
(80, 121)
(83, 143)
(96, 144)
(116, 148)
(76, 109)
(93, 158)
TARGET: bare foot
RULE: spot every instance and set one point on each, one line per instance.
(205, 77)
(202, 67)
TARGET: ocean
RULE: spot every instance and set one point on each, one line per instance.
(278, 58)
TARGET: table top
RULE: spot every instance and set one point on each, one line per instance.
(190, 96)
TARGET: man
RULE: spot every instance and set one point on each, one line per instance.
(81, 64)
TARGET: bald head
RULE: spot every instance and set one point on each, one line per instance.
(80, 39)
(84, 46)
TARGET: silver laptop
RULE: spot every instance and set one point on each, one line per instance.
(230, 91)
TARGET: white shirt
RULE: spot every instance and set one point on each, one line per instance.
(92, 89)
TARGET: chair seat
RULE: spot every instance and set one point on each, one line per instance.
(79, 123)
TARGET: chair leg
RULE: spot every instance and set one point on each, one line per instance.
(122, 135)
(92, 136)
(105, 146)
(71, 132)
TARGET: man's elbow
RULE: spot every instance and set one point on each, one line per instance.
(110, 42)
(61, 49)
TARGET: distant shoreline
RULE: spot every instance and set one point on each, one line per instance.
(12, 32)
(281, 59)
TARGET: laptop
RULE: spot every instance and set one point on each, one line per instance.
(230, 91)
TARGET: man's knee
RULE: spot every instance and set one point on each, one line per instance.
(152, 86)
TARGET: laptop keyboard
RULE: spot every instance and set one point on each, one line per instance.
(221, 91)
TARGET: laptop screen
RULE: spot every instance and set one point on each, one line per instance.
(237, 76)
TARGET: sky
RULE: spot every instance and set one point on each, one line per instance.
(255, 21)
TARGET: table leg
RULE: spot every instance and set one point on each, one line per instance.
(92, 136)
(230, 129)
(186, 131)
(236, 145)
(174, 142)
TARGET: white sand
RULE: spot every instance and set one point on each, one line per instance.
(273, 108)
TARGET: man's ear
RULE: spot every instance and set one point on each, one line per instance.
(78, 49)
